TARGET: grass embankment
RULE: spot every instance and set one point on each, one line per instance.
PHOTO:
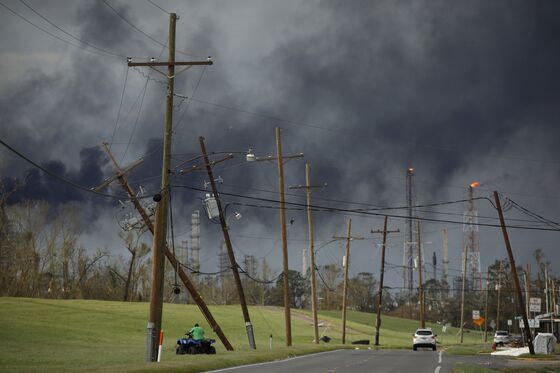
(98, 336)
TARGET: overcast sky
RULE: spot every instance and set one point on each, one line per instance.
(461, 91)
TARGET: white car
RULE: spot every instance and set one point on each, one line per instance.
(501, 337)
(424, 338)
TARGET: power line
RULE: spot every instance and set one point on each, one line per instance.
(374, 207)
(44, 30)
(159, 7)
(534, 215)
(64, 180)
(180, 120)
(300, 206)
(102, 50)
(136, 121)
(119, 111)
(142, 32)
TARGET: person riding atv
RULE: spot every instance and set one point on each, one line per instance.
(195, 343)
(197, 332)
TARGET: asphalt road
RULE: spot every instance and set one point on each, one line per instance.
(362, 361)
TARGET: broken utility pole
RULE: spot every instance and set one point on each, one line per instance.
(160, 228)
(526, 329)
(381, 275)
(233, 262)
(120, 175)
(346, 263)
(308, 187)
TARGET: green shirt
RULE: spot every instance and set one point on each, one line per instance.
(198, 333)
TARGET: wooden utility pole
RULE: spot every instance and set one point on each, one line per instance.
(420, 283)
(121, 176)
(528, 286)
(285, 270)
(233, 262)
(486, 312)
(345, 291)
(466, 252)
(346, 263)
(514, 274)
(160, 228)
(381, 276)
(308, 187)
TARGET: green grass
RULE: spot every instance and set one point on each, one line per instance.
(40, 335)
(397, 332)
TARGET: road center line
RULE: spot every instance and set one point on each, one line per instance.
(440, 358)
(437, 369)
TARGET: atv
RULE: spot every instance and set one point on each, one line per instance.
(192, 346)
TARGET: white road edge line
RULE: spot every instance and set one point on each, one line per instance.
(440, 358)
(271, 362)
(437, 369)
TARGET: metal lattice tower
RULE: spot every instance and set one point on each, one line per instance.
(410, 244)
(304, 266)
(250, 265)
(182, 257)
(471, 240)
(195, 241)
(434, 264)
(225, 271)
(224, 261)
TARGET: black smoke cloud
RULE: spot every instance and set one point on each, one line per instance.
(454, 89)
(38, 185)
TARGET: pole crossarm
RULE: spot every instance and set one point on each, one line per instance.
(381, 232)
(202, 167)
(120, 172)
(171, 64)
(351, 238)
(229, 156)
(273, 158)
(177, 63)
(308, 186)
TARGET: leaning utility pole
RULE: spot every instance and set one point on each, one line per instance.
(160, 228)
(514, 275)
(121, 176)
(346, 263)
(233, 262)
(381, 275)
(308, 187)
